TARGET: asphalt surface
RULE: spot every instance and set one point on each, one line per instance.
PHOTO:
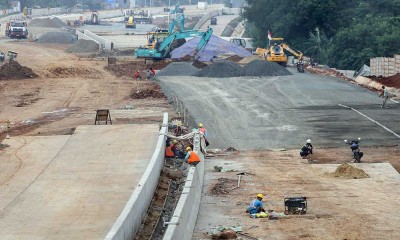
(282, 112)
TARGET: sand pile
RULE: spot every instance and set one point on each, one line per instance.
(261, 68)
(348, 171)
(53, 22)
(221, 69)
(58, 38)
(84, 46)
(14, 71)
(178, 69)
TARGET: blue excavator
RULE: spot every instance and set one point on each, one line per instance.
(163, 49)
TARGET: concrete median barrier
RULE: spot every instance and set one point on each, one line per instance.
(105, 44)
(128, 223)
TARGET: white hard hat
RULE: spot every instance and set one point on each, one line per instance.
(308, 141)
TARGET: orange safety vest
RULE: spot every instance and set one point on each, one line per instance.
(193, 157)
(169, 152)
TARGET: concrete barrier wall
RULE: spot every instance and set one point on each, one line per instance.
(128, 223)
(45, 11)
(182, 223)
(207, 17)
(105, 44)
(86, 37)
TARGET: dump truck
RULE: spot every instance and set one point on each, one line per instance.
(16, 29)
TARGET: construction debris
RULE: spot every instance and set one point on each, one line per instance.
(392, 81)
(14, 71)
(84, 46)
(148, 90)
(221, 69)
(348, 171)
(53, 22)
(178, 69)
(58, 38)
(260, 68)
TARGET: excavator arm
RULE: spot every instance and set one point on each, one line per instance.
(181, 19)
(296, 53)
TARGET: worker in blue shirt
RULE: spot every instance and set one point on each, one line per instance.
(256, 205)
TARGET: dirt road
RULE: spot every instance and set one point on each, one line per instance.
(282, 112)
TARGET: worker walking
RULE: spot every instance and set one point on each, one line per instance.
(191, 157)
(256, 205)
(385, 95)
(203, 131)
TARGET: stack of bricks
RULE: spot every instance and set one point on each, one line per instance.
(386, 67)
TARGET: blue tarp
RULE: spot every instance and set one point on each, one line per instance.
(216, 46)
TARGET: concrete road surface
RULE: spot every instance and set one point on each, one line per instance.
(222, 22)
(71, 187)
(282, 112)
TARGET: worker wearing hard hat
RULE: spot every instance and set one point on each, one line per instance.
(169, 151)
(202, 129)
(191, 157)
(256, 205)
(307, 149)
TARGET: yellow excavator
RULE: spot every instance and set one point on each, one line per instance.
(276, 52)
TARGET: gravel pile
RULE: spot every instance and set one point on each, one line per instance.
(178, 69)
(221, 69)
(83, 46)
(261, 68)
(57, 38)
(53, 22)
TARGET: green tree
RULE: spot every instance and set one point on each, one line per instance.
(318, 46)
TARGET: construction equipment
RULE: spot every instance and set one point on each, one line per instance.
(2, 56)
(11, 55)
(276, 52)
(163, 49)
(295, 205)
(130, 23)
(213, 21)
(94, 19)
(16, 28)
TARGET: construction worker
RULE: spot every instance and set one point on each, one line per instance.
(385, 95)
(168, 152)
(191, 157)
(202, 129)
(152, 72)
(256, 205)
(306, 149)
(137, 75)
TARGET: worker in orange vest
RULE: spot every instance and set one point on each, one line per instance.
(169, 152)
(191, 157)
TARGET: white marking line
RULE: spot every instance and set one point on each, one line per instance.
(394, 101)
(372, 120)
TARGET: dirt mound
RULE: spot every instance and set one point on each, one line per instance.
(14, 71)
(57, 38)
(83, 46)
(259, 68)
(147, 90)
(392, 81)
(221, 69)
(66, 72)
(234, 58)
(53, 22)
(127, 69)
(178, 69)
(348, 171)
(199, 65)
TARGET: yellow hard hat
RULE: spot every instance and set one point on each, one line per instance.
(200, 125)
(174, 141)
(260, 195)
(188, 148)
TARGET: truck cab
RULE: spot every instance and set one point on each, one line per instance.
(17, 29)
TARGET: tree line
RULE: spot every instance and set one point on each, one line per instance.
(340, 33)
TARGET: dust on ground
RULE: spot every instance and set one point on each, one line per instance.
(337, 206)
(67, 93)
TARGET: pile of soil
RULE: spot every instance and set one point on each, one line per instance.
(224, 186)
(14, 71)
(128, 69)
(53, 22)
(58, 38)
(261, 68)
(221, 69)
(392, 81)
(199, 65)
(83, 46)
(178, 69)
(234, 58)
(148, 90)
(66, 72)
(348, 171)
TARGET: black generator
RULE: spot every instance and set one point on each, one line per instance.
(295, 205)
